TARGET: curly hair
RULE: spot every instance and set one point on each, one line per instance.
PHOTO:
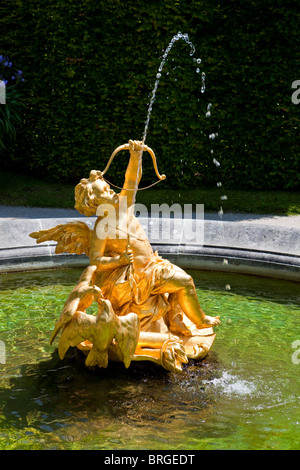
(85, 200)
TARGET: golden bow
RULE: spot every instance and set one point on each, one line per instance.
(135, 145)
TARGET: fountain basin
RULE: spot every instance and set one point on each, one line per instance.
(243, 395)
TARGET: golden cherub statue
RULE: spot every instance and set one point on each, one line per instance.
(147, 307)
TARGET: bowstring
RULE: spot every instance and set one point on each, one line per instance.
(138, 189)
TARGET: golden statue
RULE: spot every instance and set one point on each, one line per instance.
(147, 307)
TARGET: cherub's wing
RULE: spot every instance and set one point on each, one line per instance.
(73, 237)
(81, 297)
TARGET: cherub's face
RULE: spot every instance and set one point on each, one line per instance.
(103, 193)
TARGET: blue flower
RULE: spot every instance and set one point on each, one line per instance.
(15, 75)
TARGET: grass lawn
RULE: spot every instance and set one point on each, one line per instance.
(20, 190)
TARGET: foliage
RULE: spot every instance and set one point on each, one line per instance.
(19, 189)
(11, 114)
(91, 66)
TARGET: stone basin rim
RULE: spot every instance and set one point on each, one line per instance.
(234, 247)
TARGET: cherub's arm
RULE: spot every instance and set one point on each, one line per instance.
(102, 262)
(133, 173)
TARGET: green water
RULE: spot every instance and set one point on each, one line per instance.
(244, 395)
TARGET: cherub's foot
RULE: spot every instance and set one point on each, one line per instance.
(209, 321)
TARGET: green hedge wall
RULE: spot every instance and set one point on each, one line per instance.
(90, 66)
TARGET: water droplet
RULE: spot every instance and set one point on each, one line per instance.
(203, 82)
(158, 75)
(225, 261)
(227, 287)
(212, 136)
(224, 198)
(198, 61)
(216, 162)
(197, 70)
(208, 114)
(219, 184)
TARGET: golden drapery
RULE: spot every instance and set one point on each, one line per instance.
(138, 293)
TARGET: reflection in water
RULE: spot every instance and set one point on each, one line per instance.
(69, 402)
(243, 395)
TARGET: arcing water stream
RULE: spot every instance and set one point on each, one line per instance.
(175, 38)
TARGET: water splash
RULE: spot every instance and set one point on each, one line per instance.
(175, 38)
(229, 384)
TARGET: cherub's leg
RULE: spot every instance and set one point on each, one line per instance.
(174, 317)
(183, 285)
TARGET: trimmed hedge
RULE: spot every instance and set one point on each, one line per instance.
(90, 68)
